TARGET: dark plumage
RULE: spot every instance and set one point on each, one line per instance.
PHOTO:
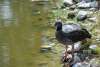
(72, 36)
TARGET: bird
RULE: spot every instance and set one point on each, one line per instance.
(68, 34)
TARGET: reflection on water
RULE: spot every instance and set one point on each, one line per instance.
(6, 12)
(19, 44)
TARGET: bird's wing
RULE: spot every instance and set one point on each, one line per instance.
(70, 28)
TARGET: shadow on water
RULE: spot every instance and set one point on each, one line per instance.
(21, 25)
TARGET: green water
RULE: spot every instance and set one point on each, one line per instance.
(22, 23)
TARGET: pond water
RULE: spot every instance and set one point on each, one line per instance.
(22, 23)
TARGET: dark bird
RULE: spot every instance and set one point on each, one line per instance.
(70, 33)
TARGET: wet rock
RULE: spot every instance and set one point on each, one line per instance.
(82, 64)
(52, 44)
(92, 9)
(86, 1)
(93, 19)
(67, 2)
(76, 10)
(46, 48)
(72, 7)
(76, 1)
(84, 4)
(76, 58)
(82, 15)
(93, 46)
(77, 47)
(93, 4)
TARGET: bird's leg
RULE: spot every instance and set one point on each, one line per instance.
(72, 51)
(65, 51)
(65, 58)
(65, 54)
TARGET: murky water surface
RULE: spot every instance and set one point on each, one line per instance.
(22, 23)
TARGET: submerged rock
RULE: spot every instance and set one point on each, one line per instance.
(45, 48)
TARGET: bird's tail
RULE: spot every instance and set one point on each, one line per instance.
(88, 35)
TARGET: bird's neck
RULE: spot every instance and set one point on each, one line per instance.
(59, 29)
(60, 33)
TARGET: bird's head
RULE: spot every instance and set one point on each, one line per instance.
(58, 25)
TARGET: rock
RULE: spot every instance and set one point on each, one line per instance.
(72, 7)
(93, 4)
(81, 18)
(82, 64)
(45, 48)
(82, 15)
(92, 9)
(76, 1)
(83, 5)
(67, 2)
(76, 58)
(52, 44)
(93, 46)
(93, 19)
(77, 47)
(76, 11)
